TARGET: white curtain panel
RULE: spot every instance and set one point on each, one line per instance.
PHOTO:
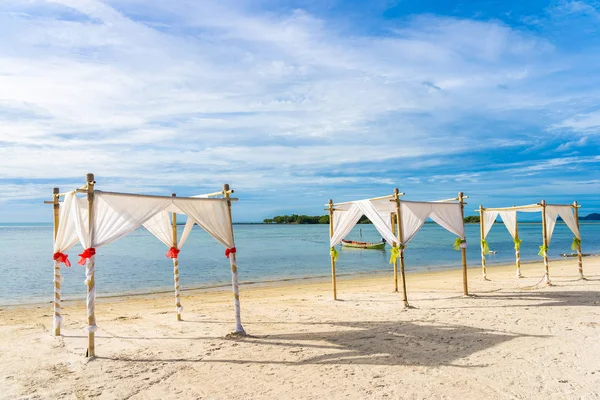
(413, 215)
(117, 215)
(567, 214)
(387, 205)
(66, 236)
(343, 222)
(381, 224)
(160, 226)
(449, 216)
(551, 215)
(212, 215)
(510, 221)
(489, 217)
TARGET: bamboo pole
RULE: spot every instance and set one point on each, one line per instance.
(239, 329)
(579, 255)
(372, 198)
(517, 208)
(56, 210)
(333, 282)
(545, 244)
(482, 233)
(176, 265)
(463, 250)
(400, 234)
(517, 250)
(393, 219)
(91, 281)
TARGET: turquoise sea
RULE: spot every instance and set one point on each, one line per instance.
(137, 263)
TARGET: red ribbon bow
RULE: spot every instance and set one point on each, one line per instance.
(173, 253)
(87, 253)
(230, 251)
(62, 258)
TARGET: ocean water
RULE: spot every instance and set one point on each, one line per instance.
(137, 263)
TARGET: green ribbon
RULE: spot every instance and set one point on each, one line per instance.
(543, 251)
(458, 242)
(576, 243)
(395, 253)
(485, 248)
(334, 254)
(517, 244)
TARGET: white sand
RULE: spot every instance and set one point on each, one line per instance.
(507, 342)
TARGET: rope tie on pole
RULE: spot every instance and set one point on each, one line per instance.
(334, 254)
(86, 256)
(485, 248)
(230, 251)
(90, 266)
(173, 253)
(460, 243)
(62, 258)
(395, 254)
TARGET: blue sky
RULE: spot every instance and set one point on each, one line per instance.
(296, 102)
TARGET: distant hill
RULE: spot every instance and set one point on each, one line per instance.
(591, 217)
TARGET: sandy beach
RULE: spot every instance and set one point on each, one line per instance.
(507, 341)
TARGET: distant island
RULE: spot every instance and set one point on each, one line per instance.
(591, 217)
(295, 219)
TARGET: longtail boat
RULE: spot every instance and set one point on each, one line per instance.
(363, 245)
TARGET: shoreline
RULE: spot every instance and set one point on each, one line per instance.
(510, 338)
(223, 288)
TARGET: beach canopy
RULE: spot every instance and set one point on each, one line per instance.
(550, 214)
(99, 218)
(411, 215)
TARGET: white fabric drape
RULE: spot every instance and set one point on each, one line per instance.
(568, 216)
(510, 221)
(212, 215)
(489, 217)
(383, 225)
(66, 238)
(413, 217)
(160, 226)
(343, 222)
(449, 216)
(551, 215)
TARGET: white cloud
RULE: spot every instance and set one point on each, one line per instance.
(157, 94)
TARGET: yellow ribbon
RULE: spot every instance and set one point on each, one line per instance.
(576, 243)
(334, 254)
(395, 253)
(458, 242)
(485, 248)
(517, 244)
(543, 251)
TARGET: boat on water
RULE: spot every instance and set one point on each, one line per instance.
(573, 255)
(363, 245)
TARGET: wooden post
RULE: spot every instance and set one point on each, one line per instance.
(482, 233)
(176, 266)
(545, 244)
(333, 282)
(517, 249)
(239, 329)
(91, 283)
(57, 316)
(579, 255)
(400, 235)
(393, 219)
(463, 250)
